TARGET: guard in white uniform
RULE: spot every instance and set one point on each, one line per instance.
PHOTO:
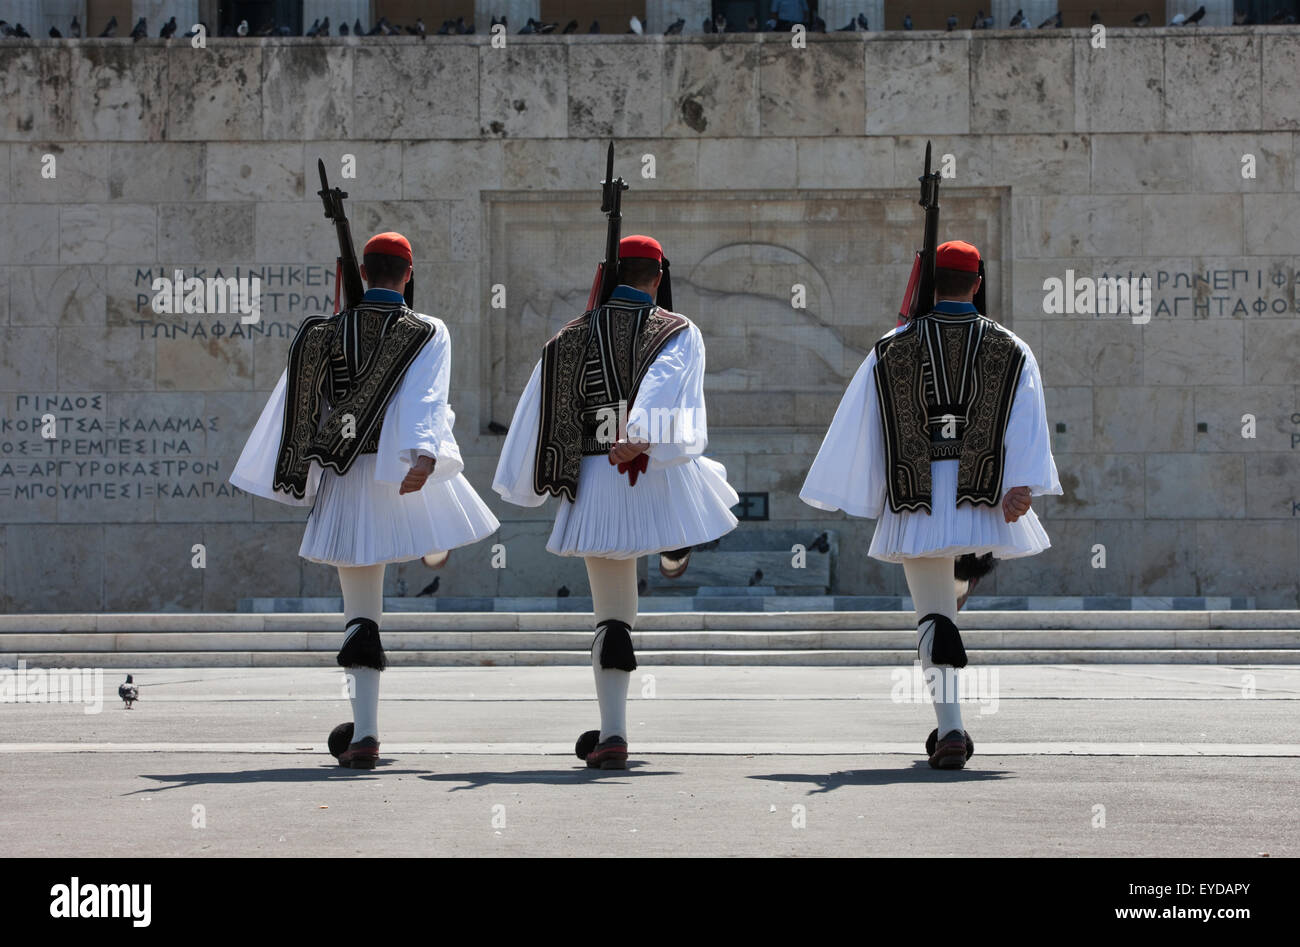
(359, 429)
(942, 438)
(613, 422)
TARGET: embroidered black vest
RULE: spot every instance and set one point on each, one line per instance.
(591, 368)
(945, 385)
(343, 370)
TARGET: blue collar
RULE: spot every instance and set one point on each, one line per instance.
(378, 295)
(628, 293)
(954, 308)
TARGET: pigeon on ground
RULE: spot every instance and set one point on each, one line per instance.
(356, 27)
(1017, 19)
(675, 27)
(128, 691)
(821, 543)
(75, 30)
(431, 588)
(562, 592)
(168, 29)
(140, 32)
(496, 427)
(1197, 16)
(343, 29)
(54, 33)
(110, 30)
(863, 23)
(570, 27)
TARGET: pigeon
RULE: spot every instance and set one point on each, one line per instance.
(242, 29)
(907, 21)
(757, 577)
(635, 25)
(562, 592)
(446, 28)
(315, 28)
(1197, 16)
(863, 23)
(1052, 22)
(547, 27)
(528, 28)
(21, 31)
(1239, 17)
(952, 23)
(1142, 19)
(356, 27)
(54, 33)
(343, 29)
(463, 28)
(128, 691)
(270, 28)
(420, 31)
(110, 30)
(851, 28)
(570, 27)
(675, 28)
(708, 26)
(75, 29)
(1017, 19)
(821, 543)
(720, 23)
(595, 27)
(977, 19)
(431, 588)
(1094, 18)
(140, 32)
(496, 427)
(168, 29)
(641, 583)
(324, 27)
(1177, 20)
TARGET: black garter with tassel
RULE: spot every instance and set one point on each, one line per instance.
(969, 567)
(362, 647)
(616, 647)
(945, 647)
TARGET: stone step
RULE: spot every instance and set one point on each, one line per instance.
(681, 640)
(136, 661)
(211, 622)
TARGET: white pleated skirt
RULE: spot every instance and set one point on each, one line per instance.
(683, 505)
(359, 521)
(950, 530)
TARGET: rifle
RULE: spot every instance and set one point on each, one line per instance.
(611, 205)
(918, 298)
(347, 272)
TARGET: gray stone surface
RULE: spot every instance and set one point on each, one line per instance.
(772, 166)
(1214, 770)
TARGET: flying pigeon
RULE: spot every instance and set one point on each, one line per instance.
(128, 691)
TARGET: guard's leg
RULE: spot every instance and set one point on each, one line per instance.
(362, 655)
(939, 646)
(614, 600)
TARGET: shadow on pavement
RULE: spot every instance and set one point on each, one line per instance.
(918, 773)
(576, 775)
(307, 774)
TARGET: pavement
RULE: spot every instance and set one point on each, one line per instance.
(1099, 760)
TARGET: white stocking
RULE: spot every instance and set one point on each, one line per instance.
(613, 594)
(363, 597)
(933, 591)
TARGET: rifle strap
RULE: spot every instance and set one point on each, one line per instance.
(338, 282)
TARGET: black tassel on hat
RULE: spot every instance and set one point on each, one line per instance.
(362, 648)
(664, 297)
(616, 647)
(945, 647)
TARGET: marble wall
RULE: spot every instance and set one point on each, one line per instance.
(1170, 153)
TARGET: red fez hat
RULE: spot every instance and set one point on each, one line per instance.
(957, 255)
(639, 247)
(389, 244)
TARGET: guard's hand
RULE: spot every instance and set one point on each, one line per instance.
(417, 475)
(1015, 504)
(624, 451)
